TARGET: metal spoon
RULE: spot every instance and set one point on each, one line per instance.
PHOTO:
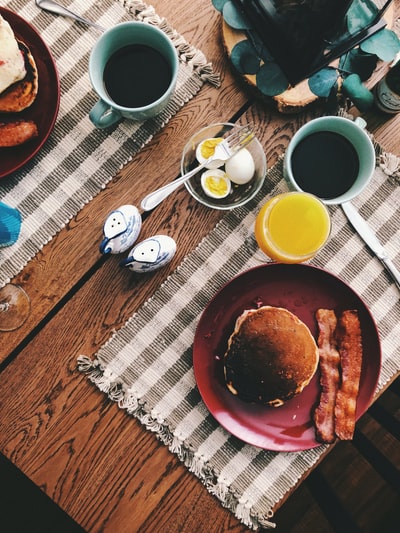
(53, 7)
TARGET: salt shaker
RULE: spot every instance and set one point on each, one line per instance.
(387, 91)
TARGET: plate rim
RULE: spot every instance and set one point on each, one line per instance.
(305, 267)
(53, 75)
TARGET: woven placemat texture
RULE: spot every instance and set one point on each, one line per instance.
(147, 365)
(78, 160)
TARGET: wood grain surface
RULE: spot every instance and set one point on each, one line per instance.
(97, 464)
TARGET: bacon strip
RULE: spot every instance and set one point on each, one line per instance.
(350, 350)
(329, 359)
(16, 133)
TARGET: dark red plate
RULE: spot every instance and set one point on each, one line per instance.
(301, 289)
(44, 110)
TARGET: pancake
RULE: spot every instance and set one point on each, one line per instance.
(271, 356)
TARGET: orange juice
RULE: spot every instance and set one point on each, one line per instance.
(292, 227)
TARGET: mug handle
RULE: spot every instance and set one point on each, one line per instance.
(104, 116)
(360, 122)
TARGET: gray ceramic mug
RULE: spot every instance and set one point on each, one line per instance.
(352, 131)
(107, 112)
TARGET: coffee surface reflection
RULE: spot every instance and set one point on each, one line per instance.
(136, 75)
(325, 164)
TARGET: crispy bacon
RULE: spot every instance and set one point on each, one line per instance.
(350, 350)
(329, 360)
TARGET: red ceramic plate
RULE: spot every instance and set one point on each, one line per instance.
(44, 110)
(301, 289)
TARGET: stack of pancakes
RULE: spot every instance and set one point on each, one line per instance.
(271, 356)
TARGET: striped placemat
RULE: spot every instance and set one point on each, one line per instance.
(78, 160)
(147, 365)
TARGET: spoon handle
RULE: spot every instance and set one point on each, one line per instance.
(156, 197)
(57, 9)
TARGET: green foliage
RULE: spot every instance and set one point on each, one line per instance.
(233, 17)
(244, 59)
(219, 4)
(322, 82)
(251, 57)
(361, 97)
(270, 79)
(384, 44)
(359, 15)
(356, 60)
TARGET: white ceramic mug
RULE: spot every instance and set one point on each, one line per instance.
(106, 112)
(354, 132)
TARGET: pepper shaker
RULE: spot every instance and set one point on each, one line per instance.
(387, 92)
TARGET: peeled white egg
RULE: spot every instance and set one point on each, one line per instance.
(215, 183)
(240, 167)
(206, 149)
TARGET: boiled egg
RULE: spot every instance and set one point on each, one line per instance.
(205, 149)
(215, 183)
(240, 167)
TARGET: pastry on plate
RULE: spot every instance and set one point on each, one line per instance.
(18, 88)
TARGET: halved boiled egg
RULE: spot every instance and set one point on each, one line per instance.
(240, 167)
(205, 149)
(215, 183)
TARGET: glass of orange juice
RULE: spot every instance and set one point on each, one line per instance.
(292, 227)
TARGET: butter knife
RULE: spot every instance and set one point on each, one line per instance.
(365, 232)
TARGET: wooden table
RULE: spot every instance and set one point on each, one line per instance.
(56, 427)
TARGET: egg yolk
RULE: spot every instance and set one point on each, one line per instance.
(216, 185)
(208, 147)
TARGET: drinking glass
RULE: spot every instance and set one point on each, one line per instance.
(10, 224)
(14, 302)
(292, 227)
(15, 307)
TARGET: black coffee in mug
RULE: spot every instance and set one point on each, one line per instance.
(136, 76)
(325, 163)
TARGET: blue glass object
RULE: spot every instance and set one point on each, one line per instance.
(10, 225)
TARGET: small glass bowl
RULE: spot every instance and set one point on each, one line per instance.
(240, 194)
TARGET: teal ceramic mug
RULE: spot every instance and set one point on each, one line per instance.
(330, 157)
(133, 68)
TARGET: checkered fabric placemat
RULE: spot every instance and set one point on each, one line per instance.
(147, 365)
(77, 161)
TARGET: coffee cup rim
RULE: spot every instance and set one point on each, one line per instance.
(357, 187)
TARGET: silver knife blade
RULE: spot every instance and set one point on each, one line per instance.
(365, 232)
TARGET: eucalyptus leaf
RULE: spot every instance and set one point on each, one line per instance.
(321, 82)
(385, 44)
(358, 93)
(219, 4)
(270, 79)
(360, 14)
(331, 103)
(356, 61)
(233, 17)
(244, 58)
